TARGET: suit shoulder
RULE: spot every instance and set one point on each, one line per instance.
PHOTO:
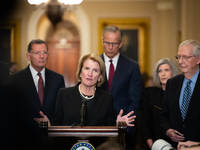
(53, 72)
(176, 78)
(128, 60)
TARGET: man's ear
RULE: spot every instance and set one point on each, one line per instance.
(120, 44)
(28, 56)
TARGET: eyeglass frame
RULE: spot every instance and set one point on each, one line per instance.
(117, 44)
(184, 58)
(38, 52)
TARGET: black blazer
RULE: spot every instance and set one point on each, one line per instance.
(150, 113)
(27, 104)
(126, 85)
(68, 108)
(171, 114)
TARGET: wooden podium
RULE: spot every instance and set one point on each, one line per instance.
(64, 137)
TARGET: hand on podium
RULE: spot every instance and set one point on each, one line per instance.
(126, 118)
(44, 118)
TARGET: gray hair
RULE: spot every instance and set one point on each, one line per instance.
(36, 41)
(173, 67)
(113, 29)
(195, 44)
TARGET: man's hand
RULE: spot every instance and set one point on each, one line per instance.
(44, 118)
(175, 136)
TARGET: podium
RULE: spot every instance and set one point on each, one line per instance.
(64, 137)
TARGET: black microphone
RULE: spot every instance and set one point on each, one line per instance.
(83, 112)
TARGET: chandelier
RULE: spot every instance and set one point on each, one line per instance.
(55, 8)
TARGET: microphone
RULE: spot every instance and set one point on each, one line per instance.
(83, 112)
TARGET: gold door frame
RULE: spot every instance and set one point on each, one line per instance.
(14, 26)
(143, 27)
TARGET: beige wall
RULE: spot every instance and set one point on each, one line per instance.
(168, 18)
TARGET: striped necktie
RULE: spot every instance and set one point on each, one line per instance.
(186, 99)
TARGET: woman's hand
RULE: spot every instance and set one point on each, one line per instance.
(126, 118)
(44, 118)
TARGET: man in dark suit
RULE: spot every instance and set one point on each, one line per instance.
(34, 92)
(123, 78)
(180, 113)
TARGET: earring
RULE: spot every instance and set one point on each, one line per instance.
(99, 79)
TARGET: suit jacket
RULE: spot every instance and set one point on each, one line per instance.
(27, 104)
(150, 113)
(68, 108)
(171, 114)
(126, 85)
(6, 109)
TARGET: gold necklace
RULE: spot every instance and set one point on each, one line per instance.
(83, 96)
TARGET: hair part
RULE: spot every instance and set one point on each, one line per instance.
(95, 58)
(172, 65)
(113, 29)
(36, 41)
(195, 44)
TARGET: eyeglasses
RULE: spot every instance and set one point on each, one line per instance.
(184, 58)
(113, 44)
(38, 52)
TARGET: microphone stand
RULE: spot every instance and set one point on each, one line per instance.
(83, 112)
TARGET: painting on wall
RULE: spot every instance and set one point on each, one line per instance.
(130, 43)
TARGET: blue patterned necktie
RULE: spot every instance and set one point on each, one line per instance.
(186, 99)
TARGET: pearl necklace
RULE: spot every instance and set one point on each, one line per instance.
(83, 96)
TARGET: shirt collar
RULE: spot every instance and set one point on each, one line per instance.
(34, 72)
(115, 59)
(194, 78)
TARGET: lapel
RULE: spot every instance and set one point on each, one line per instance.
(105, 84)
(119, 71)
(96, 105)
(75, 101)
(176, 92)
(33, 94)
(194, 99)
(47, 86)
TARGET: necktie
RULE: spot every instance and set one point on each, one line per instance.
(111, 74)
(40, 88)
(186, 99)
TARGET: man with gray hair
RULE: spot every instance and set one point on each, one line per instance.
(180, 116)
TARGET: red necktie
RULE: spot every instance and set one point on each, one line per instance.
(40, 88)
(111, 74)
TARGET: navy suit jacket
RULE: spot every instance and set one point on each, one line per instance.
(126, 85)
(27, 104)
(171, 114)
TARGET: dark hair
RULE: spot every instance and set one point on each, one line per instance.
(36, 41)
(110, 146)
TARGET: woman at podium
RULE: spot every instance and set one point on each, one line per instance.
(86, 104)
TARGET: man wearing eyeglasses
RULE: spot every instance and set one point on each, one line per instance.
(123, 78)
(180, 116)
(35, 89)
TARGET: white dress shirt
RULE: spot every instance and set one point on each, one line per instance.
(36, 77)
(107, 63)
